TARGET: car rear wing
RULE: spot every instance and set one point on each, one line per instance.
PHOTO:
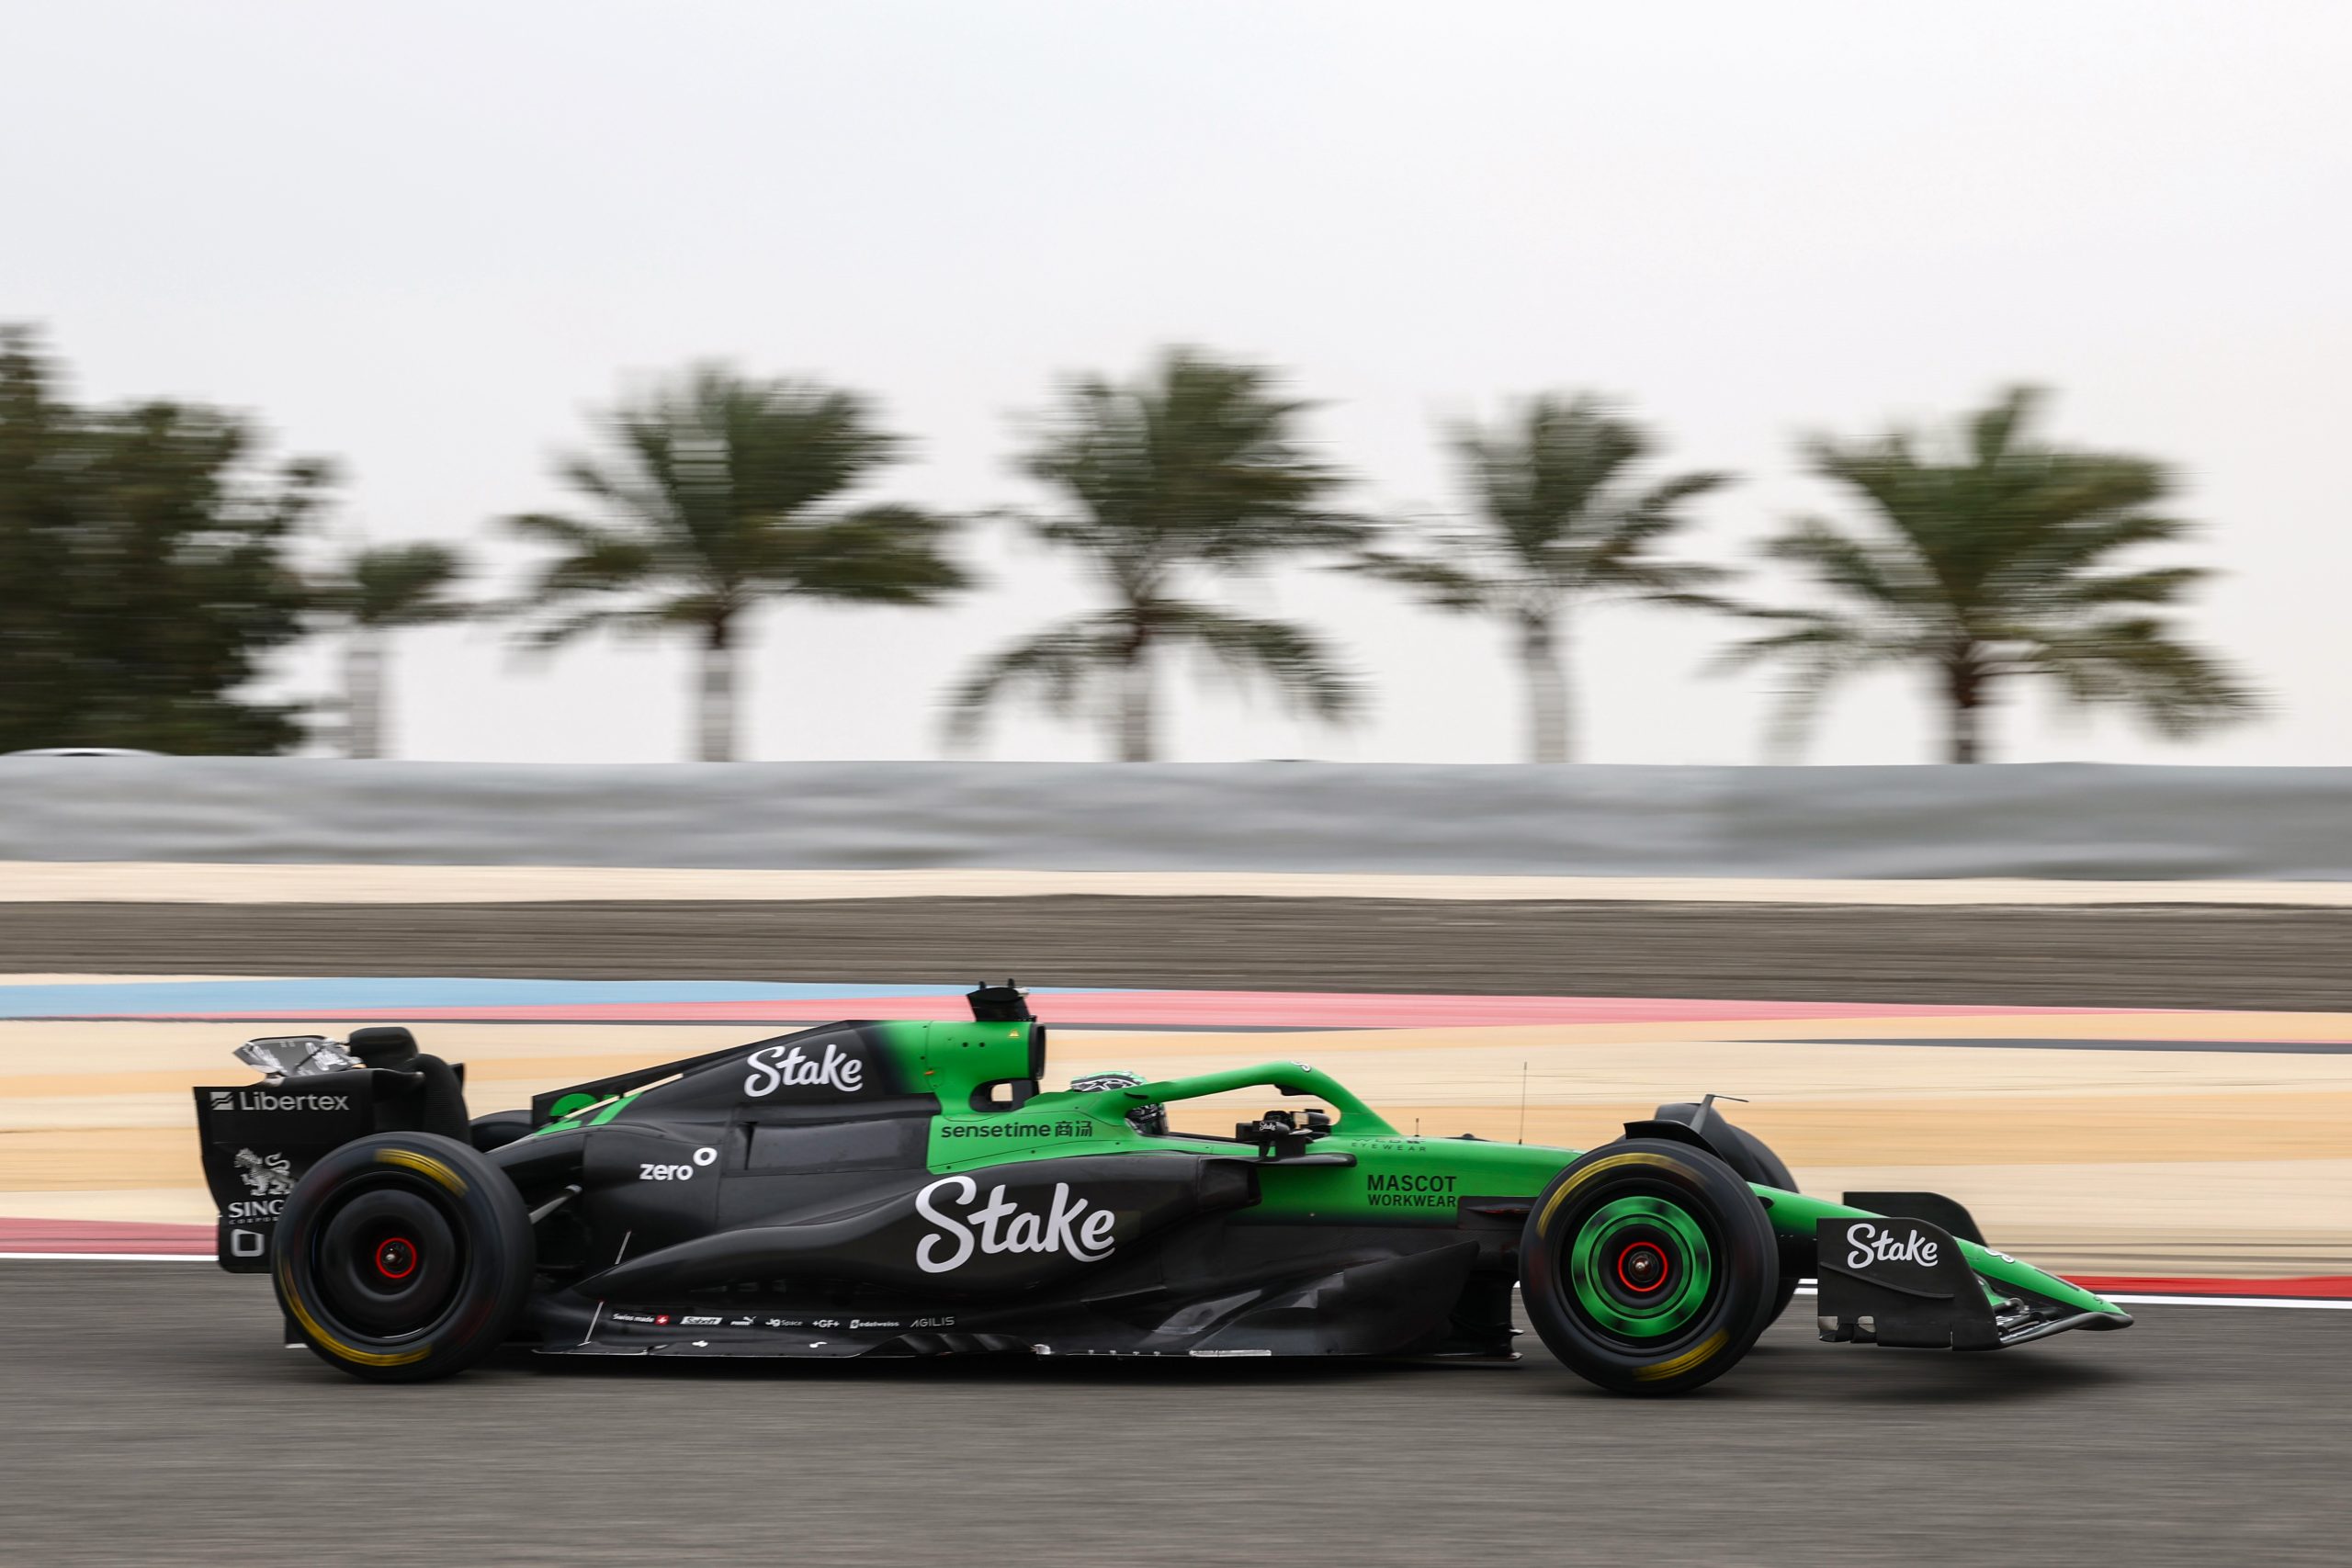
(258, 1138)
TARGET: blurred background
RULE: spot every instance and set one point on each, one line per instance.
(1574, 556)
(440, 247)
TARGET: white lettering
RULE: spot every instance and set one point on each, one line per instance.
(952, 1226)
(1068, 1224)
(773, 1068)
(262, 1099)
(1871, 1244)
(652, 1170)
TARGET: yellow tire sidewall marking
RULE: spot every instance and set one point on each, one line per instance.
(1544, 1220)
(424, 1166)
(407, 1160)
(328, 1343)
(1685, 1361)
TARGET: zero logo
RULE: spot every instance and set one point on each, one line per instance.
(1068, 1224)
(774, 1067)
(651, 1170)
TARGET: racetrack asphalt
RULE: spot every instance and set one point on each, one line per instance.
(154, 1419)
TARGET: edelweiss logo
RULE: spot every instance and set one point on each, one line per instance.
(265, 1175)
(1059, 1229)
(773, 1067)
(1871, 1244)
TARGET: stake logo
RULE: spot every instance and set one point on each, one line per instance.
(1871, 1245)
(774, 1067)
(1067, 1225)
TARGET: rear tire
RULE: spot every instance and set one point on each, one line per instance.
(1648, 1267)
(403, 1256)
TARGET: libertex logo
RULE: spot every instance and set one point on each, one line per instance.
(262, 1100)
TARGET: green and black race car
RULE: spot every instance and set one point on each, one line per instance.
(909, 1190)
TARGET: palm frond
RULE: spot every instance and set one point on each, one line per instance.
(398, 585)
(1291, 661)
(2154, 586)
(713, 491)
(1558, 507)
(1436, 584)
(1993, 554)
(877, 555)
(597, 560)
(1817, 652)
(556, 631)
(1853, 568)
(2134, 661)
(1198, 463)
(1053, 668)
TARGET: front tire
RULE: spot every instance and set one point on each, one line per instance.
(1753, 1158)
(403, 1256)
(1648, 1267)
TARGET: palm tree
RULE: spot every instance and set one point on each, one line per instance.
(1990, 561)
(375, 593)
(1194, 470)
(1560, 519)
(719, 492)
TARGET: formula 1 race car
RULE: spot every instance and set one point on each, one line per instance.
(907, 1190)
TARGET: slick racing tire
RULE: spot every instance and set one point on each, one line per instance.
(403, 1256)
(1648, 1267)
(1753, 1158)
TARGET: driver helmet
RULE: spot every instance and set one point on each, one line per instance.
(1148, 1119)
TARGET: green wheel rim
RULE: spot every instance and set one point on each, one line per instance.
(1664, 1224)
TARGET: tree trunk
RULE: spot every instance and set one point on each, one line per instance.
(1136, 740)
(714, 699)
(363, 693)
(1541, 661)
(1965, 691)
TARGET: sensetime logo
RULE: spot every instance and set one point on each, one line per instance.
(774, 1067)
(1067, 1225)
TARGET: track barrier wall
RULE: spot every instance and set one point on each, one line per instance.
(2045, 821)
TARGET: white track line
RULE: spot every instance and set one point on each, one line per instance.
(223, 883)
(2323, 1304)
(107, 1258)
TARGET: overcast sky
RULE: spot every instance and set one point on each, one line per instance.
(428, 240)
